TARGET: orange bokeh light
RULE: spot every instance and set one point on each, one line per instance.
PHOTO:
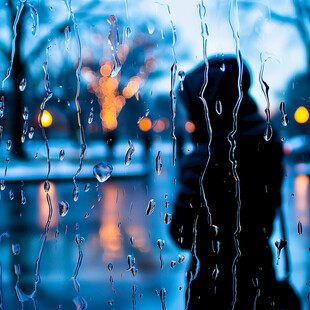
(190, 127)
(159, 125)
(145, 124)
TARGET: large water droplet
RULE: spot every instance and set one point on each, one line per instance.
(15, 248)
(218, 107)
(284, 119)
(22, 84)
(2, 185)
(173, 263)
(150, 207)
(102, 171)
(63, 208)
(35, 20)
(129, 153)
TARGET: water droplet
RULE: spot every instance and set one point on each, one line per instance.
(22, 139)
(222, 68)
(25, 128)
(110, 267)
(63, 208)
(47, 186)
(131, 261)
(1, 106)
(150, 207)
(110, 302)
(26, 114)
(56, 233)
(138, 95)
(216, 246)
(91, 116)
(129, 153)
(67, 33)
(181, 75)
(284, 119)
(31, 133)
(35, 20)
(166, 204)
(218, 107)
(23, 199)
(102, 171)
(15, 248)
(2, 185)
(156, 292)
(282, 139)
(11, 195)
(87, 187)
(75, 193)
(99, 196)
(160, 243)
(181, 258)
(22, 84)
(158, 163)
(131, 240)
(86, 215)
(134, 271)
(216, 230)
(61, 154)
(76, 227)
(168, 218)
(180, 288)
(268, 132)
(173, 263)
(66, 229)
(113, 40)
(280, 244)
(299, 228)
(215, 272)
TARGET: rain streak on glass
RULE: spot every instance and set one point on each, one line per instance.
(23, 199)
(87, 187)
(150, 207)
(63, 208)
(35, 20)
(22, 84)
(284, 119)
(129, 153)
(102, 171)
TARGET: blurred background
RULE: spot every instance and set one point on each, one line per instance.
(127, 50)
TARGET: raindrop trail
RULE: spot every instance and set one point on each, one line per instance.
(1, 295)
(76, 99)
(234, 25)
(173, 74)
(35, 19)
(204, 35)
(195, 264)
(20, 7)
(265, 89)
(79, 301)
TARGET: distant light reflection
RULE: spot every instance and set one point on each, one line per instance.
(110, 236)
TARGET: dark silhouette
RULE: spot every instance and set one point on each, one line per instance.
(260, 172)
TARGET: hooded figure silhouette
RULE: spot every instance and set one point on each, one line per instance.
(260, 173)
